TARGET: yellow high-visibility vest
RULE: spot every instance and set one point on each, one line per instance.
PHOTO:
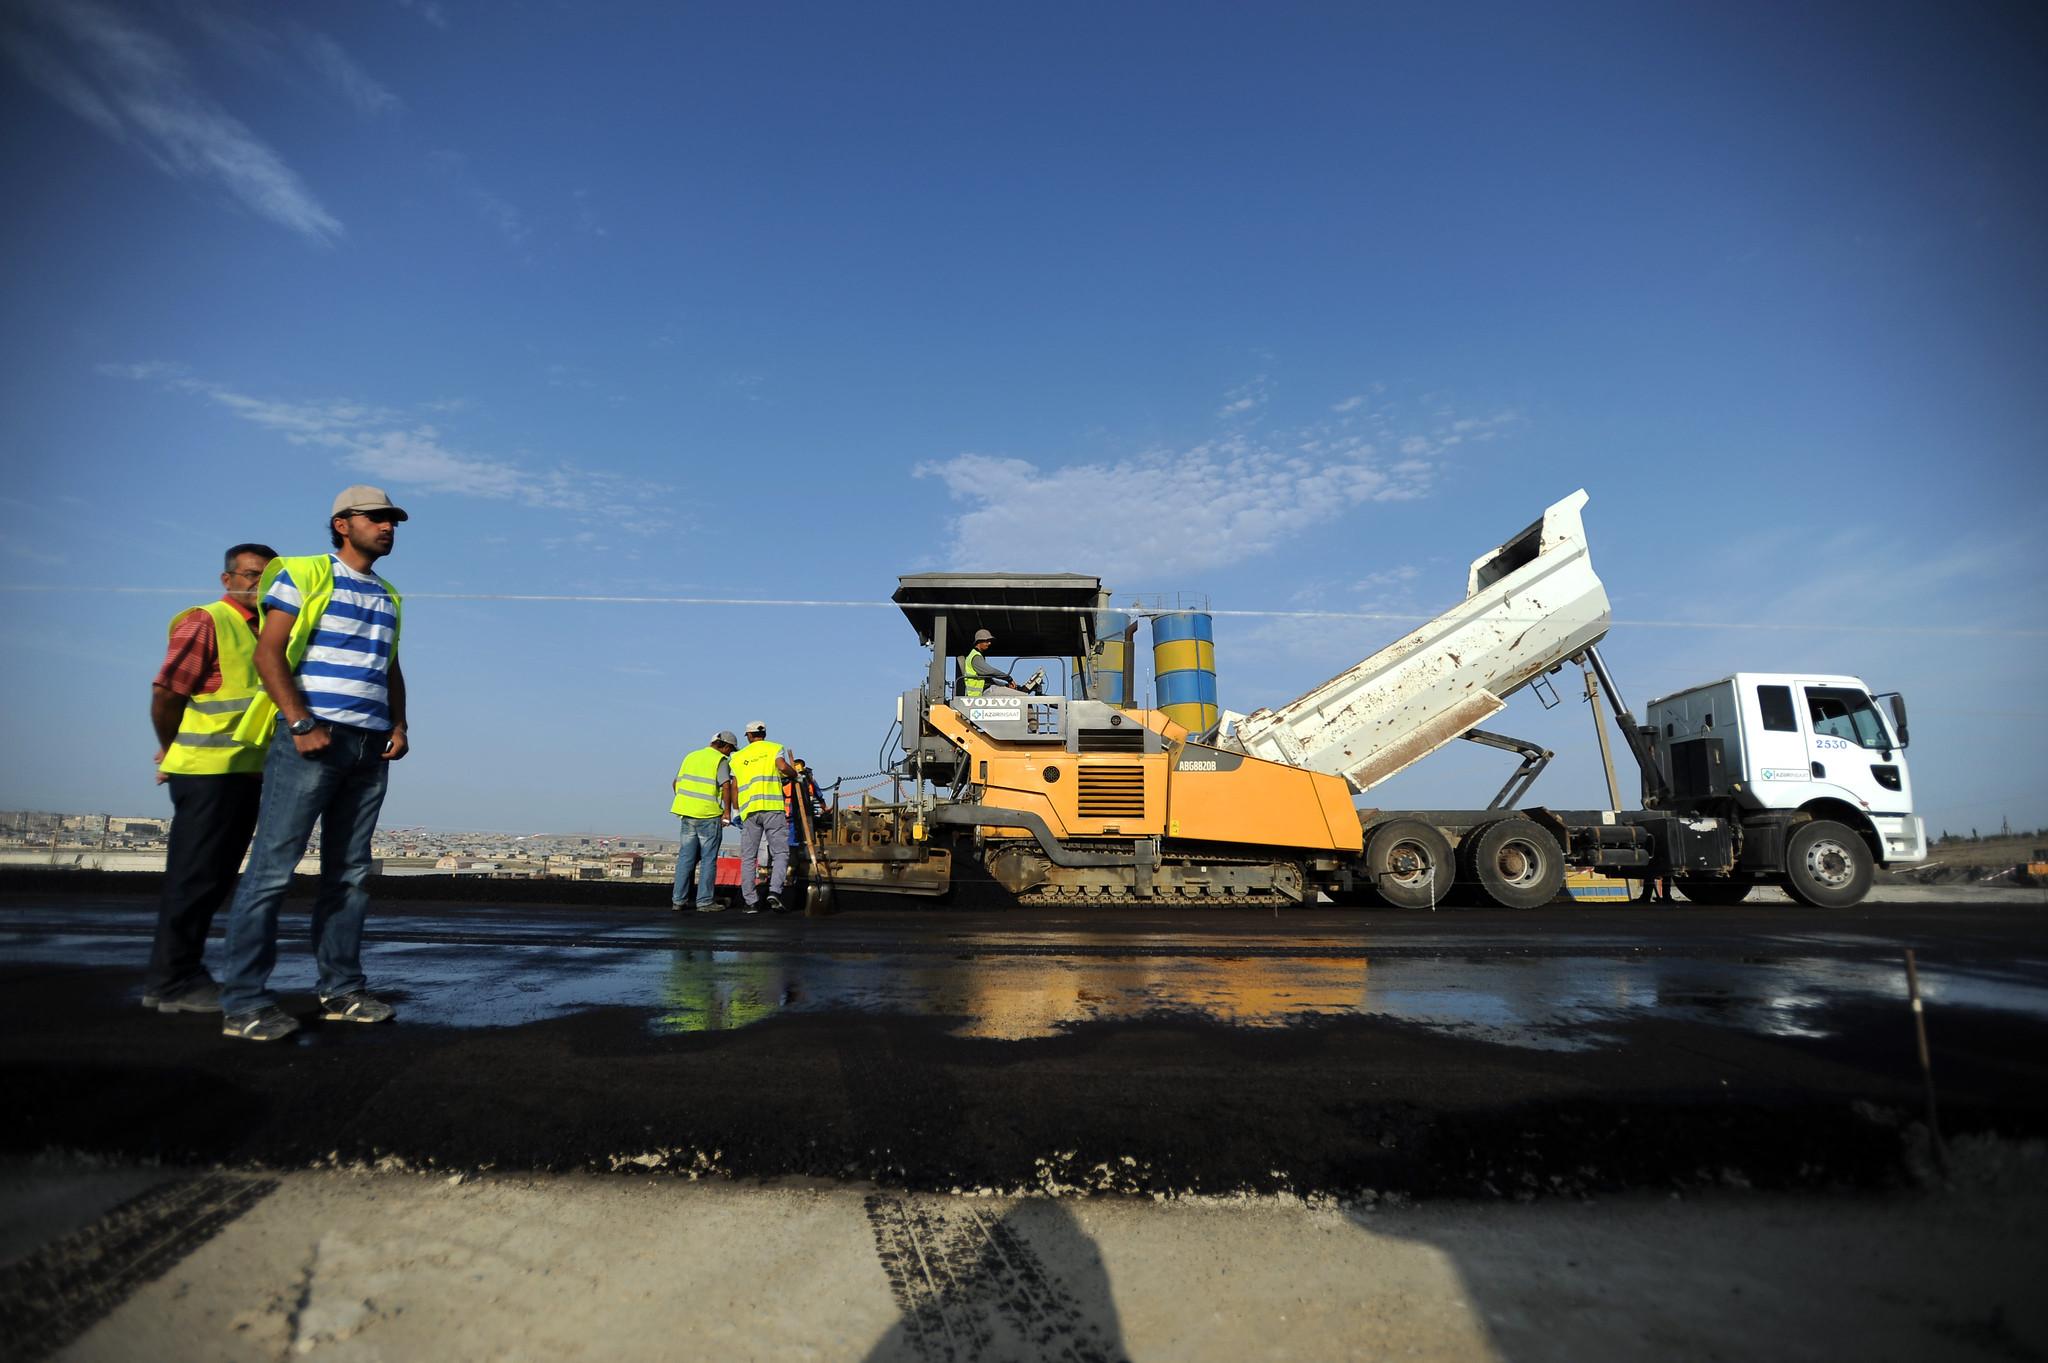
(697, 786)
(313, 575)
(976, 683)
(760, 783)
(206, 744)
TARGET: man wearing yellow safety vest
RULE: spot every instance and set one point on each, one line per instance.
(704, 801)
(207, 681)
(333, 718)
(977, 672)
(758, 770)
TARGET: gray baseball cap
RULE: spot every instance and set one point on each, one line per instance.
(758, 727)
(725, 736)
(363, 497)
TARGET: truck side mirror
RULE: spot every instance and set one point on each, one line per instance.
(1899, 715)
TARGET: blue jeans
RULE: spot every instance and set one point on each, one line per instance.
(698, 851)
(342, 788)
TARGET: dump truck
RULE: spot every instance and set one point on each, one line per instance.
(1793, 780)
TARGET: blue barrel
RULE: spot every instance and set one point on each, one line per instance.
(1184, 669)
(1110, 648)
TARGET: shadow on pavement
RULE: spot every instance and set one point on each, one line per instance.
(1945, 1271)
(971, 1285)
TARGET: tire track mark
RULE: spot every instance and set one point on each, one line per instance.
(59, 1292)
(971, 1287)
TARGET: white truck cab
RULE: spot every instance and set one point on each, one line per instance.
(1793, 741)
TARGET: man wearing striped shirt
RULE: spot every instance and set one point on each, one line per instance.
(328, 657)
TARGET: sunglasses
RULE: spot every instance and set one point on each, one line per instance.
(379, 517)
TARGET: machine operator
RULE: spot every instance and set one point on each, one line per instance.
(977, 672)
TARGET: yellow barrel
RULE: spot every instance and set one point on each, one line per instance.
(1184, 669)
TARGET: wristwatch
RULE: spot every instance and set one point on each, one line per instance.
(303, 726)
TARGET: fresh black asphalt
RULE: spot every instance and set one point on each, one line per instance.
(1566, 1050)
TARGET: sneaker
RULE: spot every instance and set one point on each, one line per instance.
(713, 907)
(775, 904)
(677, 908)
(269, 1023)
(750, 907)
(203, 997)
(357, 1006)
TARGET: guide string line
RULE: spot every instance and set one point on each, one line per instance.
(1388, 617)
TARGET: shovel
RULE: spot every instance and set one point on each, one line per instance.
(817, 890)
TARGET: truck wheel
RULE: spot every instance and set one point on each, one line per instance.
(1517, 864)
(1720, 892)
(1409, 864)
(1827, 866)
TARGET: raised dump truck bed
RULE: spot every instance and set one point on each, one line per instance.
(1529, 605)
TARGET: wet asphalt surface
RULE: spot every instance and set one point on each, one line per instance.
(1558, 1051)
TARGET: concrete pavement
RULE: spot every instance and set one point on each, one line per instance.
(365, 1266)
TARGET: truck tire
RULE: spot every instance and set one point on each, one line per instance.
(1409, 864)
(1718, 892)
(1827, 866)
(1518, 865)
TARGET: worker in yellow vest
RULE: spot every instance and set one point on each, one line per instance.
(334, 715)
(704, 798)
(758, 771)
(977, 673)
(206, 683)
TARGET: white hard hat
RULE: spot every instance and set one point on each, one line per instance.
(758, 726)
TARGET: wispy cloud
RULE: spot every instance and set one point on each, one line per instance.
(504, 216)
(746, 385)
(13, 548)
(1391, 589)
(587, 221)
(393, 446)
(1233, 497)
(341, 72)
(287, 52)
(429, 10)
(1246, 397)
(130, 82)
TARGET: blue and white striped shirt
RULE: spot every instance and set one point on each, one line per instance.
(347, 668)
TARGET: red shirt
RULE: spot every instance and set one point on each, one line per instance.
(192, 662)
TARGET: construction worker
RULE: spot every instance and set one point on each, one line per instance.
(976, 670)
(757, 771)
(207, 681)
(704, 797)
(805, 784)
(334, 718)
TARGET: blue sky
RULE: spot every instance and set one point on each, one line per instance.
(1301, 307)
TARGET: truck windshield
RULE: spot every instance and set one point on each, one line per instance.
(1839, 713)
